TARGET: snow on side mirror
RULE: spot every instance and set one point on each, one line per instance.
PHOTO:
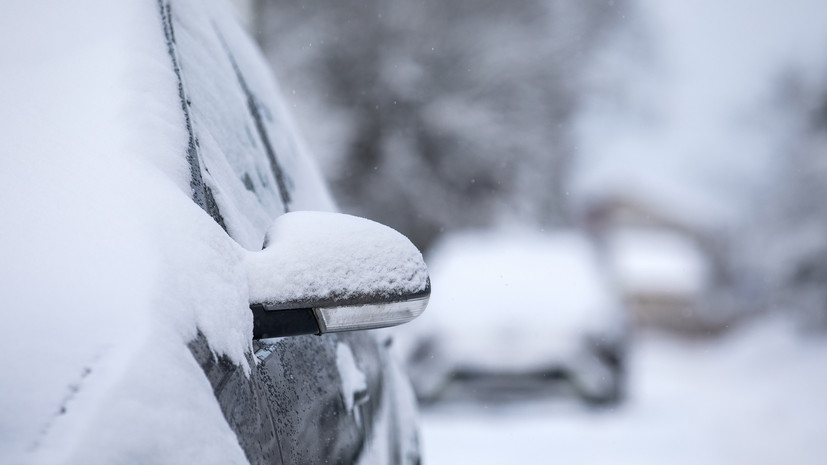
(327, 272)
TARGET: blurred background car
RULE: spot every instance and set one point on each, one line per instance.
(518, 314)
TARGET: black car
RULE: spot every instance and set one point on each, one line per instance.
(176, 285)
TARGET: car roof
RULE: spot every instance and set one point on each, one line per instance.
(550, 278)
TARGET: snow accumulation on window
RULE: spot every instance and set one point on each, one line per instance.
(319, 256)
(252, 161)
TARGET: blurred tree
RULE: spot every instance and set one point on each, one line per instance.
(788, 245)
(439, 114)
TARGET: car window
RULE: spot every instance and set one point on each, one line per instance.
(241, 146)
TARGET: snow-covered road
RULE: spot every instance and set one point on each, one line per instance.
(757, 396)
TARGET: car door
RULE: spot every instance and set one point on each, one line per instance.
(308, 399)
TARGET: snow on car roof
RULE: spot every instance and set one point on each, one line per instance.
(558, 267)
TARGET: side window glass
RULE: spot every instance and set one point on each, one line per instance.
(238, 140)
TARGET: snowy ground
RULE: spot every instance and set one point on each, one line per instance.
(758, 396)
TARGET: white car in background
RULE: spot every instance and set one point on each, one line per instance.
(517, 313)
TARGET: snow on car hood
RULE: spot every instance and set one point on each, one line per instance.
(108, 267)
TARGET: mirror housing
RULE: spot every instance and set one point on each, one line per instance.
(328, 272)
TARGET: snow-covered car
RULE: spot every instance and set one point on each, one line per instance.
(175, 285)
(517, 313)
(663, 277)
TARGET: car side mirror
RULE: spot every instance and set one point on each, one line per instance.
(328, 272)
